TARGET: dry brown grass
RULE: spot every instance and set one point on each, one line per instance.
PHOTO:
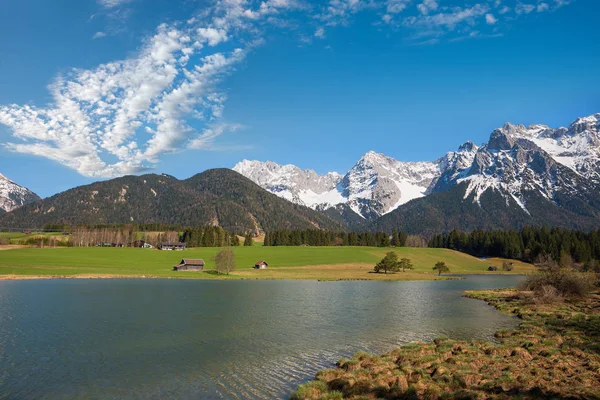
(12, 247)
(554, 354)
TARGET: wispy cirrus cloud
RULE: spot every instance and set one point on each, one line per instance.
(120, 117)
(112, 3)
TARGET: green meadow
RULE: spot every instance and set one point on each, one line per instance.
(323, 263)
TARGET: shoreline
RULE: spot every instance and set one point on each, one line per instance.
(554, 353)
(212, 277)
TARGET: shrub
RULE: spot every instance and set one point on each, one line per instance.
(566, 282)
(547, 295)
(508, 266)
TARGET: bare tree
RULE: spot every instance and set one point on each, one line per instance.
(225, 261)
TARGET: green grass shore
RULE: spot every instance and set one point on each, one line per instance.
(316, 263)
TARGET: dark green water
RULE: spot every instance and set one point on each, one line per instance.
(155, 339)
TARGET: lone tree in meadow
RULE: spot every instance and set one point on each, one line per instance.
(225, 261)
(441, 267)
(406, 264)
(388, 263)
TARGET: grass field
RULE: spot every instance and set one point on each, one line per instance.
(322, 263)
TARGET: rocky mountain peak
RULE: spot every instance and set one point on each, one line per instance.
(467, 147)
(13, 196)
(503, 138)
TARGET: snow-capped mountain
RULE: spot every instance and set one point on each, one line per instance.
(374, 186)
(304, 187)
(378, 184)
(13, 196)
(577, 147)
(517, 160)
(524, 175)
(532, 171)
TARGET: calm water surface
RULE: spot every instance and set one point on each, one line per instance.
(154, 339)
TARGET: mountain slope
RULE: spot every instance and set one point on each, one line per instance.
(13, 196)
(219, 197)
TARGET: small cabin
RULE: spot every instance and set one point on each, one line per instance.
(261, 265)
(188, 264)
(173, 246)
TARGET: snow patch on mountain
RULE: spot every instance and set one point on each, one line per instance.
(576, 147)
(13, 196)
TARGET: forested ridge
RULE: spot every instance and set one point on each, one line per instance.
(215, 197)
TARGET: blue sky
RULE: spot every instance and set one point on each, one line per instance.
(93, 89)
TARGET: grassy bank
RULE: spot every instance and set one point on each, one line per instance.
(554, 354)
(324, 263)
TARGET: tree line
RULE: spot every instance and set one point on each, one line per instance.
(128, 236)
(214, 236)
(317, 237)
(531, 244)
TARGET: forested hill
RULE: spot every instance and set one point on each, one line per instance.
(219, 197)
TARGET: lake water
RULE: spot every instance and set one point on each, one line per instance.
(155, 339)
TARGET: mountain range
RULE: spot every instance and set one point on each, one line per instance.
(522, 175)
(533, 175)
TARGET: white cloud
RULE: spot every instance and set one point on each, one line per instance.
(523, 8)
(396, 6)
(206, 138)
(338, 12)
(320, 33)
(112, 3)
(98, 35)
(447, 19)
(393, 7)
(427, 6)
(212, 36)
(490, 19)
(541, 7)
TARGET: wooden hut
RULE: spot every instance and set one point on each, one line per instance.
(261, 265)
(188, 264)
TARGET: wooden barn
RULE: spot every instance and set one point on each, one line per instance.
(173, 246)
(261, 265)
(188, 264)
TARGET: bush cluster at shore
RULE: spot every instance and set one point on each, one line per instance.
(554, 354)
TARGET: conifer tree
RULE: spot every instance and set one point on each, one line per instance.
(248, 241)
